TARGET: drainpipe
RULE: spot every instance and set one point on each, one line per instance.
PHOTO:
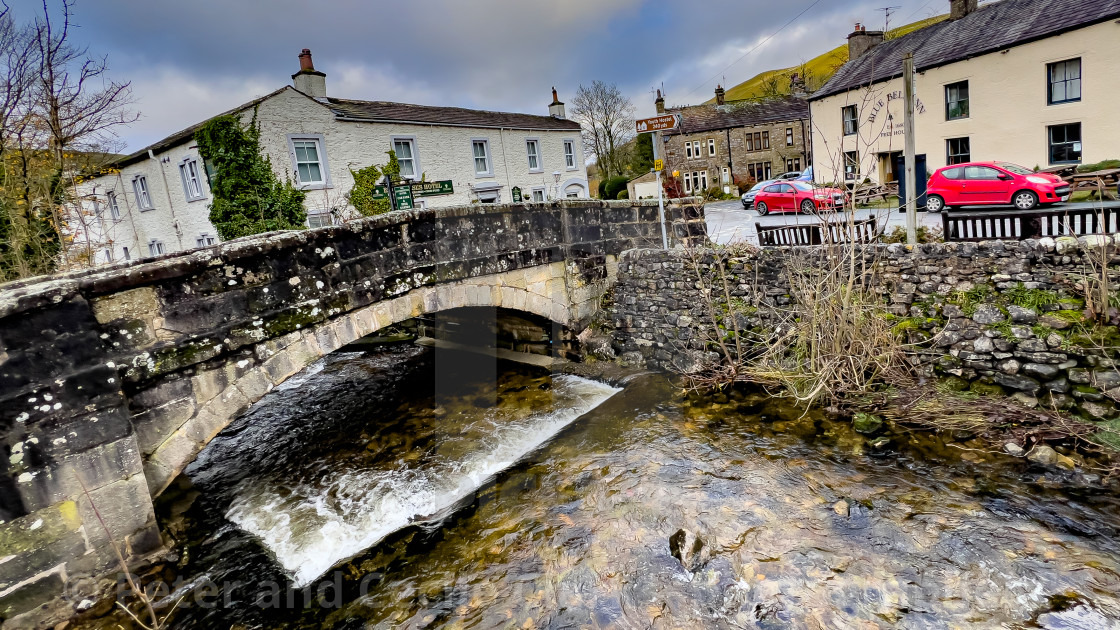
(730, 165)
(167, 191)
(505, 163)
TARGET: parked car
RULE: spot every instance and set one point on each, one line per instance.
(993, 183)
(790, 175)
(806, 175)
(748, 197)
(797, 196)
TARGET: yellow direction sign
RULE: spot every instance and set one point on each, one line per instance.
(658, 165)
(657, 123)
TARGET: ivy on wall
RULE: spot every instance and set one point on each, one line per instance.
(368, 178)
(248, 197)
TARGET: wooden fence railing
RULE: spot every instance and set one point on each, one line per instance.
(1023, 225)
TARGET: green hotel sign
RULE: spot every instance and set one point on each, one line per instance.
(431, 189)
(402, 195)
(419, 189)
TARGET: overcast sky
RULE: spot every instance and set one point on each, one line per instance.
(190, 60)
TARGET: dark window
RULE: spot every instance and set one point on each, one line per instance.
(981, 172)
(757, 141)
(793, 164)
(772, 189)
(750, 142)
(850, 120)
(765, 139)
(953, 173)
(851, 165)
(1064, 80)
(789, 136)
(1065, 143)
(956, 100)
(959, 151)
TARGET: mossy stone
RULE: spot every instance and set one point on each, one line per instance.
(986, 389)
(866, 423)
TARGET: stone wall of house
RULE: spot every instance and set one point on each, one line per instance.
(777, 153)
(996, 316)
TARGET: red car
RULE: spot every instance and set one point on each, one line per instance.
(993, 183)
(796, 196)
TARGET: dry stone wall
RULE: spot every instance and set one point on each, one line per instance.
(995, 316)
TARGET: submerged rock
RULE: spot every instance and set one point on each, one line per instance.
(688, 549)
(842, 508)
(1013, 449)
(1047, 456)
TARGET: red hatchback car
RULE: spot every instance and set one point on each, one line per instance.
(797, 196)
(993, 183)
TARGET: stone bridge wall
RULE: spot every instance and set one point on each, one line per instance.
(1018, 337)
(112, 380)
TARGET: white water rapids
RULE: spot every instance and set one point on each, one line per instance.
(311, 527)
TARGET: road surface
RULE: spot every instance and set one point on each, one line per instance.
(729, 222)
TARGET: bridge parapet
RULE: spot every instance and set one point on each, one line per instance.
(114, 378)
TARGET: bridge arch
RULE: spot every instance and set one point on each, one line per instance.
(112, 379)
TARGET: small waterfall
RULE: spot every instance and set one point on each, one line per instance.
(311, 525)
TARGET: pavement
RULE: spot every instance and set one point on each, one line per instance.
(729, 222)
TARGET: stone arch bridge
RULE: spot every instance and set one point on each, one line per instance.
(112, 380)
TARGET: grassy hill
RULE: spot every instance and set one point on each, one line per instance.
(816, 71)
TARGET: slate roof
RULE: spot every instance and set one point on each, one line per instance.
(991, 28)
(384, 112)
(700, 118)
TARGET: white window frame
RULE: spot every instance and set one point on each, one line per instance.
(688, 150)
(205, 240)
(688, 182)
(184, 174)
(114, 208)
(570, 162)
(711, 147)
(535, 143)
(703, 180)
(533, 193)
(319, 214)
(489, 172)
(140, 185)
(696, 149)
(789, 136)
(155, 247)
(321, 149)
(415, 159)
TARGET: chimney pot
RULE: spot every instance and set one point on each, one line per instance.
(305, 63)
(309, 80)
(719, 95)
(659, 103)
(556, 109)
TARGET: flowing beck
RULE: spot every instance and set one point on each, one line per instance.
(434, 491)
(311, 524)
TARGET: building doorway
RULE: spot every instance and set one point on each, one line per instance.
(887, 161)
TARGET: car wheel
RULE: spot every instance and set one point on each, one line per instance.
(762, 209)
(935, 204)
(1025, 200)
(807, 207)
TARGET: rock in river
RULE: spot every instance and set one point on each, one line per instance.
(687, 548)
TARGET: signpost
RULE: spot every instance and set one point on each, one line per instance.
(910, 150)
(402, 195)
(655, 125)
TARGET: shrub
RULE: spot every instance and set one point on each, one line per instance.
(366, 179)
(248, 197)
(623, 194)
(612, 186)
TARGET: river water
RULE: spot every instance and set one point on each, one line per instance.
(409, 489)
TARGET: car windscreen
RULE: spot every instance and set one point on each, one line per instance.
(1014, 168)
(803, 186)
(759, 186)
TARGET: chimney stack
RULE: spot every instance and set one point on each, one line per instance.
(797, 86)
(660, 103)
(309, 80)
(719, 95)
(862, 40)
(556, 109)
(960, 8)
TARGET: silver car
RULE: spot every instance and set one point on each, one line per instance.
(748, 197)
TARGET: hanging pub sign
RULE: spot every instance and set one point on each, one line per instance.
(516, 192)
(379, 192)
(402, 194)
(430, 189)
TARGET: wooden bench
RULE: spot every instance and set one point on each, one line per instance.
(1018, 226)
(814, 233)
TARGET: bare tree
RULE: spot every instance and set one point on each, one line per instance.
(58, 120)
(608, 123)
